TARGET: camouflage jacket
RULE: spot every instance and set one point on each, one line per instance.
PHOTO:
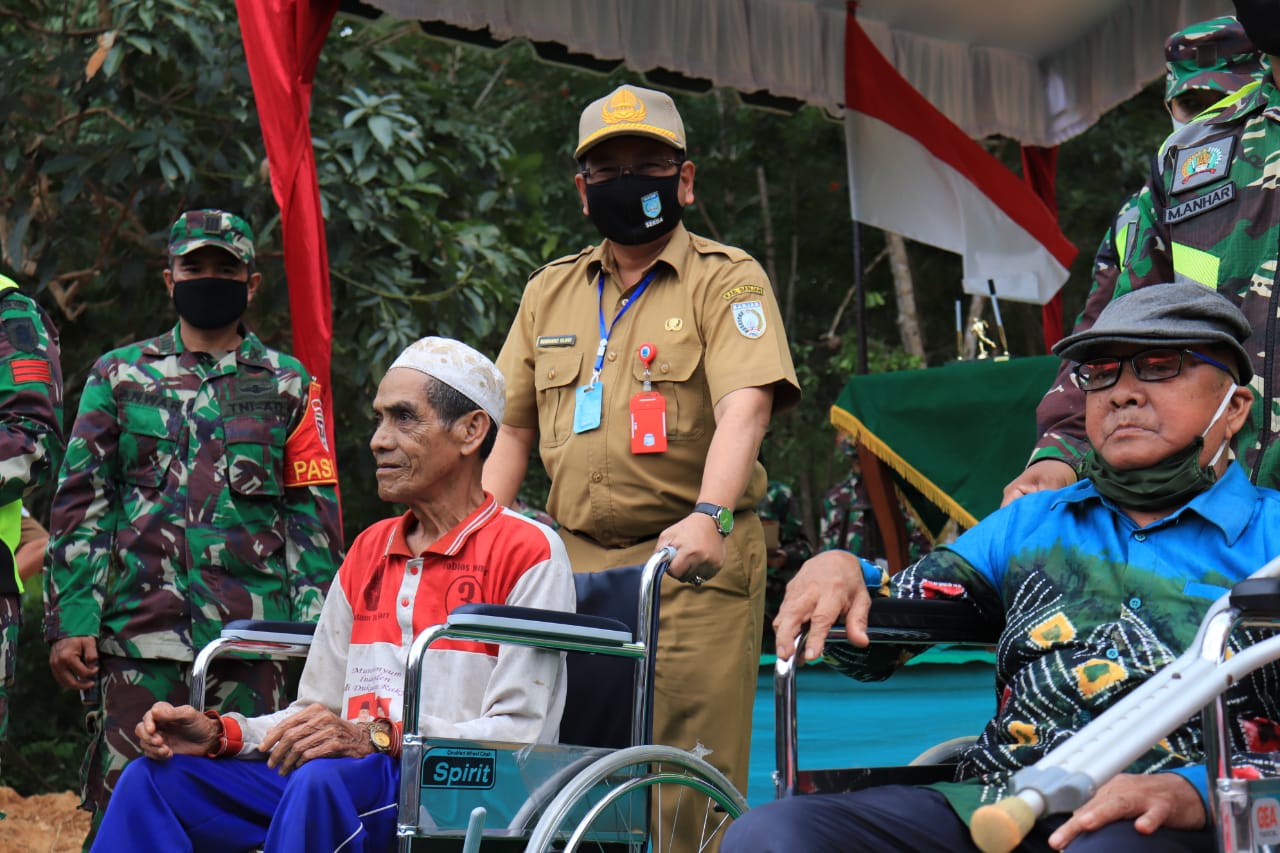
(1210, 213)
(195, 490)
(1060, 415)
(1091, 607)
(779, 506)
(30, 403)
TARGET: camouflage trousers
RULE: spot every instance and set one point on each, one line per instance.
(130, 686)
(10, 622)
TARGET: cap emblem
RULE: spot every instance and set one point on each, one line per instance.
(624, 106)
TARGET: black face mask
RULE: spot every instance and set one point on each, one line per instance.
(1261, 22)
(210, 303)
(635, 209)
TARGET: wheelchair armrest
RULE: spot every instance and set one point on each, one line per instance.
(1257, 597)
(557, 624)
(269, 631)
(906, 620)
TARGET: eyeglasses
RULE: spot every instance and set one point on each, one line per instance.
(660, 168)
(1153, 365)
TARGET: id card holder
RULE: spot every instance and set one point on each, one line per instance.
(587, 401)
(648, 423)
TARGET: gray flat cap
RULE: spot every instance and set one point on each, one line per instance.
(1172, 315)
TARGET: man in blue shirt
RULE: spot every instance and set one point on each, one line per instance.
(1098, 586)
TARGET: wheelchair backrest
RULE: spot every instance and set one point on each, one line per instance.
(598, 706)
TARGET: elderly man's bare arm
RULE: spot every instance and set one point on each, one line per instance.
(828, 588)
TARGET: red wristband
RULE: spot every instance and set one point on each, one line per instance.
(230, 738)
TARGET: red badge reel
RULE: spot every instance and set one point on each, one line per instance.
(648, 411)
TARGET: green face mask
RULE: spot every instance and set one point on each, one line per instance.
(1170, 482)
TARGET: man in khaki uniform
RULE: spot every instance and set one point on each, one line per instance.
(646, 370)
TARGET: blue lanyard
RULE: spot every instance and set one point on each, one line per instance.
(606, 331)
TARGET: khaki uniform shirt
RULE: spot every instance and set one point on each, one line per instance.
(710, 312)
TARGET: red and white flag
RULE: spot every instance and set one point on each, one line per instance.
(912, 171)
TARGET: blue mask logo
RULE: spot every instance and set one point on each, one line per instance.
(651, 204)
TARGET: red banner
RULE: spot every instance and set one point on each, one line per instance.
(282, 43)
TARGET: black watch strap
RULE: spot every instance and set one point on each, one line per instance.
(721, 515)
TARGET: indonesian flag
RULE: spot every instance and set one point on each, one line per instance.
(912, 171)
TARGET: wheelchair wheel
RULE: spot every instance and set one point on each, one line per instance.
(605, 807)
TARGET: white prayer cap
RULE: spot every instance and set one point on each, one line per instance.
(461, 368)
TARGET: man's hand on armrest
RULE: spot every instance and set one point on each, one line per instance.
(1045, 475)
(827, 589)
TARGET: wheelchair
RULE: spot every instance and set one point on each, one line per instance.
(1245, 812)
(600, 788)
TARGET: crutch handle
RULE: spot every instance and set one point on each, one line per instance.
(1000, 827)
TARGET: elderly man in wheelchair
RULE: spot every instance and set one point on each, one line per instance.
(325, 771)
(1098, 587)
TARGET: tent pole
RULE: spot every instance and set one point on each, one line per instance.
(860, 297)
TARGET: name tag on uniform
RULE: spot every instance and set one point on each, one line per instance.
(586, 406)
(648, 422)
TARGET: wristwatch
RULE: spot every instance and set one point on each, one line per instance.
(380, 737)
(722, 515)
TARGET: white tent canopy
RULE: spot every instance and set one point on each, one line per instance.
(1038, 71)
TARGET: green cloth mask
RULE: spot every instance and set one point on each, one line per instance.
(1170, 482)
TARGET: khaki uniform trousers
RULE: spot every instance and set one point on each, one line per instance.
(708, 652)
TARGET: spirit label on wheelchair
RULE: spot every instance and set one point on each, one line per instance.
(451, 767)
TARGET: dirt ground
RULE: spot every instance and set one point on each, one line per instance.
(45, 823)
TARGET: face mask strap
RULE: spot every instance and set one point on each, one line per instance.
(1222, 407)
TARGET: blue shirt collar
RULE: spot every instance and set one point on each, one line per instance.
(1228, 504)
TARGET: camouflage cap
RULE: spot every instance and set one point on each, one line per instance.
(197, 228)
(630, 111)
(1214, 55)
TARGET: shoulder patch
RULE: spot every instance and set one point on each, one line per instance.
(21, 332)
(308, 461)
(31, 370)
(1202, 164)
(741, 290)
(749, 318)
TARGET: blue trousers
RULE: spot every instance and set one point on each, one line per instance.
(225, 804)
(910, 819)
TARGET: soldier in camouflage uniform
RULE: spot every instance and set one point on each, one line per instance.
(198, 487)
(780, 512)
(30, 446)
(845, 509)
(1204, 62)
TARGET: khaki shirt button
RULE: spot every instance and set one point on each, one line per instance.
(613, 356)
(666, 368)
(551, 374)
(596, 476)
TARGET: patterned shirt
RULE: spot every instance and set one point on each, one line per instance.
(1092, 606)
(196, 489)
